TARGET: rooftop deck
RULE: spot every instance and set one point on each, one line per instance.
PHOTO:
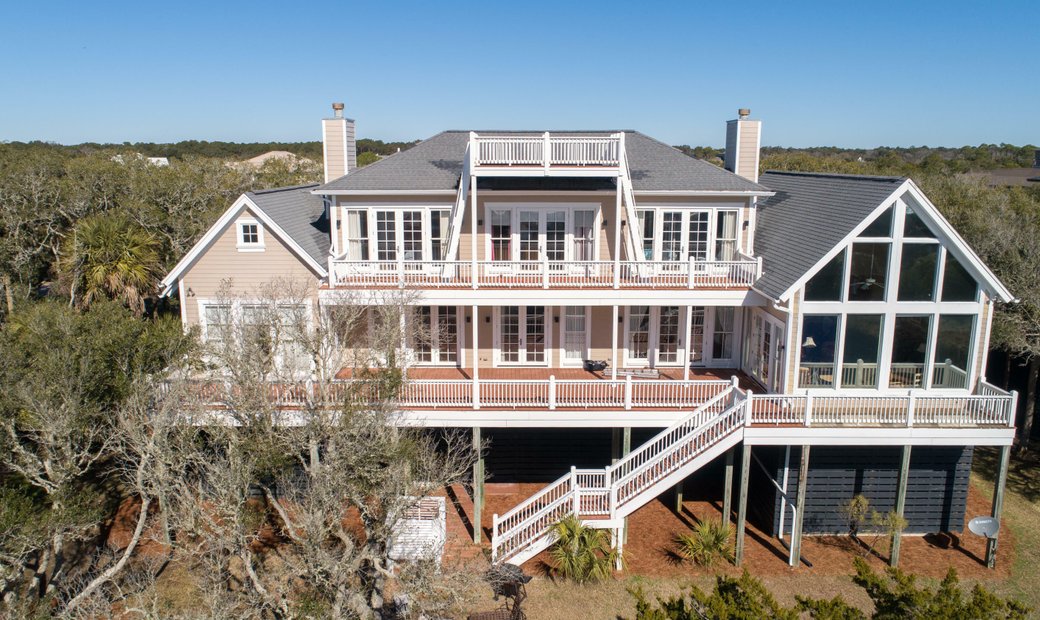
(547, 154)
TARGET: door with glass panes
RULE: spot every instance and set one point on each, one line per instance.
(528, 235)
(522, 335)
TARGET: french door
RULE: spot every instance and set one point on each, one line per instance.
(766, 354)
(529, 234)
(522, 335)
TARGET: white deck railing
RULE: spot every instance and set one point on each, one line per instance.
(544, 274)
(545, 150)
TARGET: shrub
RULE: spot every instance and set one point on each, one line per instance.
(581, 553)
(707, 543)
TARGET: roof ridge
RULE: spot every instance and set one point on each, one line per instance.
(272, 190)
(699, 161)
(837, 175)
(389, 157)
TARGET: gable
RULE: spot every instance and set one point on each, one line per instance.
(284, 248)
(814, 217)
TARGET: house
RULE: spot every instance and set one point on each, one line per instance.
(615, 317)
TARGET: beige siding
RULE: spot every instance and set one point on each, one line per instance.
(350, 148)
(335, 149)
(980, 342)
(246, 271)
(792, 344)
(748, 150)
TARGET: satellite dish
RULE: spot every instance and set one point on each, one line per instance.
(984, 526)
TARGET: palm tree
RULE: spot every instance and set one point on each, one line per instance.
(581, 553)
(112, 257)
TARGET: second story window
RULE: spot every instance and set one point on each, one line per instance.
(357, 235)
(726, 235)
(250, 236)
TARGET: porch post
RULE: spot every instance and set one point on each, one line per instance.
(474, 356)
(998, 503)
(686, 362)
(678, 496)
(897, 535)
(473, 228)
(478, 485)
(615, 445)
(727, 489)
(745, 472)
(799, 518)
(617, 239)
(626, 447)
(613, 345)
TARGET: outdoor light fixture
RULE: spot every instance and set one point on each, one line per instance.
(487, 319)
(469, 319)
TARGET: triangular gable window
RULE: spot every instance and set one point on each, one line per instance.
(881, 226)
(913, 226)
(958, 285)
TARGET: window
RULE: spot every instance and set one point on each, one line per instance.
(953, 351)
(880, 227)
(917, 271)
(250, 236)
(218, 323)
(529, 242)
(423, 335)
(826, 284)
(639, 332)
(909, 351)
(510, 333)
(386, 235)
(722, 339)
(646, 232)
(438, 231)
(535, 334)
(574, 329)
(862, 351)
(818, 350)
(556, 236)
(584, 229)
(958, 285)
(868, 272)
(501, 235)
(696, 345)
(726, 235)
(412, 235)
(668, 335)
(357, 234)
(913, 226)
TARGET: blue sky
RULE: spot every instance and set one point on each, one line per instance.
(854, 74)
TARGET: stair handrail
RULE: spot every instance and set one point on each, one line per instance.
(632, 242)
(458, 211)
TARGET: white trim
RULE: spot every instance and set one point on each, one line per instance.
(243, 246)
(242, 202)
(383, 192)
(946, 236)
(562, 354)
(542, 208)
(859, 436)
(679, 192)
(496, 337)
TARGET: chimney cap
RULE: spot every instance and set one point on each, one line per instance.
(743, 113)
(337, 109)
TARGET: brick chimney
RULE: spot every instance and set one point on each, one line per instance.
(743, 141)
(340, 144)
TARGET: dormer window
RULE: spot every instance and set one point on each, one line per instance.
(250, 236)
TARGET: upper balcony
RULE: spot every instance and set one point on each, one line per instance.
(546, 154)
(545, 274)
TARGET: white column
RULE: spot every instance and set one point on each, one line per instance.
(613, 344)
(686, 351)
(473, 230)
(617, 235)
(475, 355)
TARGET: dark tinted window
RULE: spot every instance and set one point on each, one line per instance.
(826, 284)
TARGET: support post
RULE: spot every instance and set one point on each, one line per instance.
(689, 345)
(473, 227)
(998, 503)
(613, 345)
(478, 485)
(727, 489)
(475, 354)
(678, 496)
(897, 535)
(745, 474)
(626, 447)
(799, 517)
(617, 243)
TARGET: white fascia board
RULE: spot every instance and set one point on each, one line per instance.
(169, 283)
(537, 419)
(967, 255)
(948, 236)
(865, 436)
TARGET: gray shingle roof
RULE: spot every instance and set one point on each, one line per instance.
(809, 215)
(436, 164)
(300, 214)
